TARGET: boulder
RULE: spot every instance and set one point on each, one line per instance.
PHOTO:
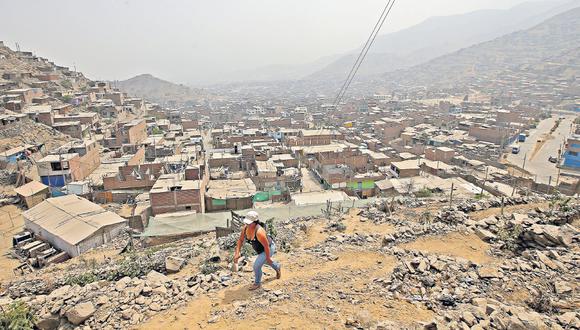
(156, 278)
(562, 287)
(485, 235)
(48, 323)
(80, 313)
(174, 264)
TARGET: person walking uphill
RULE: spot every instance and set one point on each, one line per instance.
(264, 246)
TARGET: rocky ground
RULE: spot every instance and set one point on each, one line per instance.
(478, 265)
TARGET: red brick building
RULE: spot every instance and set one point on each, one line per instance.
(172, 193)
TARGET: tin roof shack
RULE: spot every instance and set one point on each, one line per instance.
(229, 195)
(73, 224)
(11, 156)
(172, 193)
(32, 193)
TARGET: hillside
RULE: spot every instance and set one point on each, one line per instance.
(476, 265)
(554, 41)
(155, 90)
(438, 36)
(30, 70)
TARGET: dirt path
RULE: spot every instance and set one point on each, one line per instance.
(305, 277)
(306, 308)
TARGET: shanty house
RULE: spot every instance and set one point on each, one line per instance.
(73, 224)
(32, 193)
(229, 195)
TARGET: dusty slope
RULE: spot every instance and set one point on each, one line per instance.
(364, 269)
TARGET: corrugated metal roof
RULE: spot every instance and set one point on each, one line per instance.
(71, 218)
(30, 188)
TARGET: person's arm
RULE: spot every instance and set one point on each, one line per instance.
(263, 238)
(239, 244)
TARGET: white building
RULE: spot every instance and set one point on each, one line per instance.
(73, 224)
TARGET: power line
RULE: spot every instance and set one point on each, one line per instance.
(364, 51)
(361, 53)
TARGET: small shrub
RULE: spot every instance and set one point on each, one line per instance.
(66, 84)
(16, 316)
(271, 229)
(426, 217)
(209, 268)
(424, 193)
(510, 237)
(479, 196)
(82, 279)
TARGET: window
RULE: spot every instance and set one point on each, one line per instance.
(176, 188)
(59, 166)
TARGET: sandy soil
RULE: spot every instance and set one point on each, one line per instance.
(466, 246)
(349, 273)
(313, 285)
(525, 208)
(11, 222)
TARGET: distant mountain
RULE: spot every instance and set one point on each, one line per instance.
(551, 47)
(442, 35)
(156, 90)
(280, 72)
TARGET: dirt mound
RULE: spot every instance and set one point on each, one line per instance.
(29, 132)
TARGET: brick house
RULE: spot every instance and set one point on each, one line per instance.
(141, 176)
(172, 193)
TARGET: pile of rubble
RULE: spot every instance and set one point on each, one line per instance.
(29, 132)
(133, 264)
(109, 305)
(103, 300)
(450, 286)
(538, 229)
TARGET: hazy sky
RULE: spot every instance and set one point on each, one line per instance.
(194, 41)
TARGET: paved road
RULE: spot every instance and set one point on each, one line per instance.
(536, 154)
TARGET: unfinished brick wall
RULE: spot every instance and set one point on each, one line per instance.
(175, 201)
(134, 177)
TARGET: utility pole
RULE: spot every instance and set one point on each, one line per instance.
(484, 180)
(451, 194)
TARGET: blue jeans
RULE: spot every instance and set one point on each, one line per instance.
(261, 260)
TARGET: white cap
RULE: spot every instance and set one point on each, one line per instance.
(251, 217)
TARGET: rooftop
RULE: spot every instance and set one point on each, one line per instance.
(71, 218)
(31, 188)
(173, 182)
(223, 189)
